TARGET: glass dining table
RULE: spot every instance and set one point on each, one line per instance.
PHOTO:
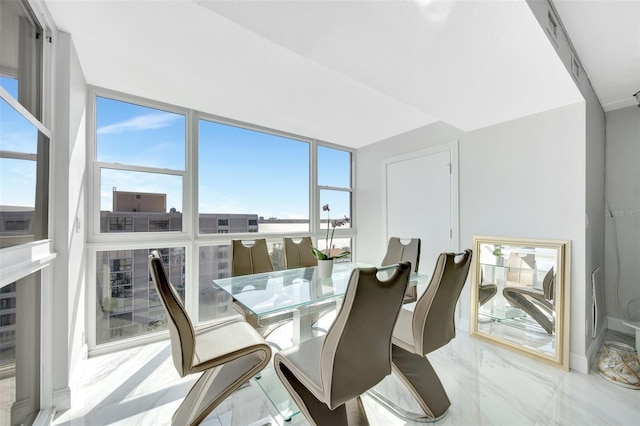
(301, 293)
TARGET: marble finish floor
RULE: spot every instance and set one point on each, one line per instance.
(487, 385)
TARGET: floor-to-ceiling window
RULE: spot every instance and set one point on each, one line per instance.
(24, 196)
(139, 169)
(187, 183)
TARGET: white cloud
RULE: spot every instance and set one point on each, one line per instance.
(142, 122)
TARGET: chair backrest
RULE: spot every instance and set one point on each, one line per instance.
(180, 327)
(397, 252)
(298, 255)
(548, 284)
(246, 260)
(433, 320)
(356, 354)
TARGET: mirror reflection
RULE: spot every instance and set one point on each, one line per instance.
(517, 295)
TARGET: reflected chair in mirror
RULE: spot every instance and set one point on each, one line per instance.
(536, 303)
(227, 352)
(298, 254)
(430, 326)
(486, 290)
(326, 375)
(254, 259)
(397, 252)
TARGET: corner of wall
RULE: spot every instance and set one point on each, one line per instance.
(62, 399)
(69, 186)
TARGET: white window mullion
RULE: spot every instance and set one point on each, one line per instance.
(314, 192)
(145, 169)
(190, 215)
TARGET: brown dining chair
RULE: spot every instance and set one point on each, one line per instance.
(430, 326)
(396, 252)
(326, 375)
(227, 352)
(250, 259)
(254, 259)
(298, 254)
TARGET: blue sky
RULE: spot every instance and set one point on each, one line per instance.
(17, 177)
(240, 171)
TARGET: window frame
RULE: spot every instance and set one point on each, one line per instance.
(340, 232)
(189, 237)
(95, 177)
(37, 255)
(198, 116)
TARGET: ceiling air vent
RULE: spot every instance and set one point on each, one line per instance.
(575, 68)
(553, 27)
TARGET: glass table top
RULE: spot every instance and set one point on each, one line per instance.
(280, 291)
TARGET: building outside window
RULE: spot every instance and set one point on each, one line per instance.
(120, 223)
(126, 296)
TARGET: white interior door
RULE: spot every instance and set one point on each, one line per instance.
(422, 200)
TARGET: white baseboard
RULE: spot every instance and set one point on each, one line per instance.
(463, 324)
(594, 348)
(22, 410)
(77, 371)
(617, 325)
(62, 399)
(45, 417)
(579, 363)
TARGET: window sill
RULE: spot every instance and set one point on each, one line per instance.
(19, 261)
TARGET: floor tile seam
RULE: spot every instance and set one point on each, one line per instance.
(551, 398)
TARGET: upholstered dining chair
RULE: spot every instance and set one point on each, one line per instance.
(396, 252)
(227, 353)
(326, 375)
(254, 259)
(430, 326)
(298, 254)
(537, 303)
(251, 259)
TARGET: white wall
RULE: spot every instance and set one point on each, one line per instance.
(623, 200)
(524, 178)
(594, 175)
(69, 174)
(369, 192)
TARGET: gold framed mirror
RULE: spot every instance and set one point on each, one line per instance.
(520, 296)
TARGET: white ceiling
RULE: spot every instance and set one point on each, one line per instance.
(606, 37)
(348, 72)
